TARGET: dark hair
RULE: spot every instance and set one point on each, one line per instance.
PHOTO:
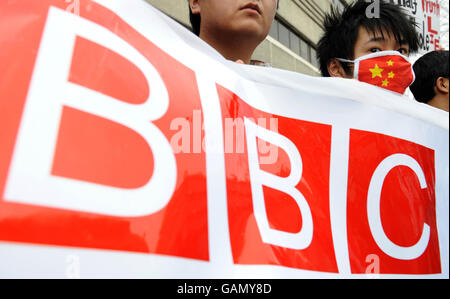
(195, 20)
(428, 69)
(341, 30)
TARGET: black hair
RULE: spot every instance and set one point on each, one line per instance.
(195, 20)
(428, 69)
(342, 28)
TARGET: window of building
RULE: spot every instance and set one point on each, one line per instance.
(274, 30)
(304, 51)
(289, 38)
(314, 59)
(283, 35)
(294, 42)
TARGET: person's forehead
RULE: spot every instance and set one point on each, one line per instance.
(366, 35)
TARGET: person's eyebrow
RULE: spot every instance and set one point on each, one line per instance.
(376, 39)
(382, 39)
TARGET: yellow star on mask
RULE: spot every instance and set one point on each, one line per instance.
(391, 75)
(376, 72)
(385, 83)
(390, 63)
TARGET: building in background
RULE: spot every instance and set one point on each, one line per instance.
(293, 38)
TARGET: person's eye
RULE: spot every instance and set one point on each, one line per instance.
(403, 51)
(374, 50)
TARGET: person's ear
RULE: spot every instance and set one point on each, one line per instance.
(335, 69)
(195, 6)
(442, 85)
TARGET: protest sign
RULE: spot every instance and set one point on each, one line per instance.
(426, 14)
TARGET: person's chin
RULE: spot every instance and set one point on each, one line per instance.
(249, 28)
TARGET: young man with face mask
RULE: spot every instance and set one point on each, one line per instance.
(233, 27)
(371, 49)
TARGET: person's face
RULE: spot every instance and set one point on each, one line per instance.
(245, 17)
(368, 43)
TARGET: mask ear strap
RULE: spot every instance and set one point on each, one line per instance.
(355, 65)
(345, 60)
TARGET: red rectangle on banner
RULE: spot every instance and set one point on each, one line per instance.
(392, 205)
(278, 209)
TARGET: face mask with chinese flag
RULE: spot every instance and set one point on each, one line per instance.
(387, 69)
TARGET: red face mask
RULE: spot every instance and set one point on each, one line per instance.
(387, 69)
